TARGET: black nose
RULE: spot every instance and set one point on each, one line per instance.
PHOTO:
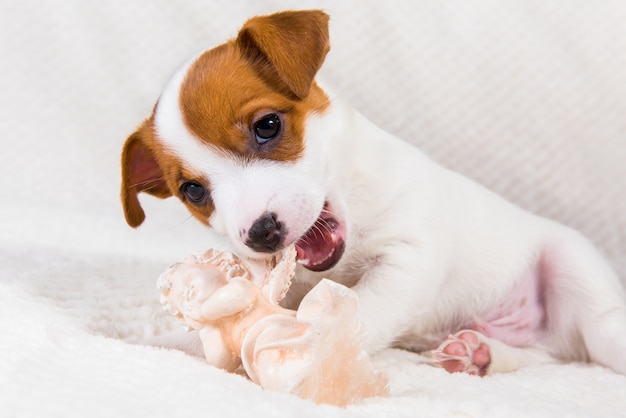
(266, 234)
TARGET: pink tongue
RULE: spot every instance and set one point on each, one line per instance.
(320, 248)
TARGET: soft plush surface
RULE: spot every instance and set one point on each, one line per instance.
(527, 97)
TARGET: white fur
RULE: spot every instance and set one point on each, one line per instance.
(432, 249)
(427, 250)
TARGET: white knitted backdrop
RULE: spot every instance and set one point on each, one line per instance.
(527, 97)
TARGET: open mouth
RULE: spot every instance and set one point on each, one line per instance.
(322, 246)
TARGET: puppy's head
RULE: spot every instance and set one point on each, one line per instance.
(232, 137)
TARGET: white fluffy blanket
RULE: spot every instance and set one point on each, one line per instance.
(527, 97)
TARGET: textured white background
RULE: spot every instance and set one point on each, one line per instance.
(527, 97)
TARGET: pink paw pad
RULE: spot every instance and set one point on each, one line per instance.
(464, 352)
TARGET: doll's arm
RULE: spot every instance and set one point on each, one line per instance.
(239, 294)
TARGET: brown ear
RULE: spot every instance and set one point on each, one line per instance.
(293, 43)
(140, 173)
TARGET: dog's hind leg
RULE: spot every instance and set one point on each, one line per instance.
(574, 310)
(605, 337)
(585, 303)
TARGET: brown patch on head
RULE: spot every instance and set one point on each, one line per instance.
(148, 167)
(267, 70)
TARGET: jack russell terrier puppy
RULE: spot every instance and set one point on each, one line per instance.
(257, 150)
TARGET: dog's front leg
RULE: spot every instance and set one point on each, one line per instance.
(398, 290)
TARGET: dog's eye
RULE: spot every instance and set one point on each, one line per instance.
(194, 192)
(267, 128)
